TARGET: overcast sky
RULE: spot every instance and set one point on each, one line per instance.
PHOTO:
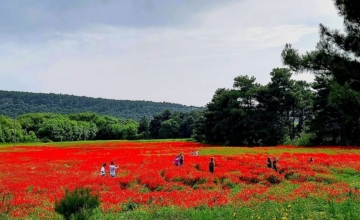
(177, 51)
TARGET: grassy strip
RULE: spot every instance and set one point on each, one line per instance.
(306, 208)
(230, 151)
(300, 209)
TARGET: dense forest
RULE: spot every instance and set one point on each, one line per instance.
(34, 127)
(17, 103)
(325, 112)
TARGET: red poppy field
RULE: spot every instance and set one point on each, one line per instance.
(33, 177)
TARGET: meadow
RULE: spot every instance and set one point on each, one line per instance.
(148, 185)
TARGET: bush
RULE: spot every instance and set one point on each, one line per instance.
(273, 179)
(77, 203)
(130, 206)
(31, 137)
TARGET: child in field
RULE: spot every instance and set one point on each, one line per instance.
(102, 170)
(113, 169)
(211, 165)
(176, 160)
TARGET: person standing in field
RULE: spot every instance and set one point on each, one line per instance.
(211, 165)
(102, 170)
(176, 160)
(197, 153)
(269, 165)
(113, 169)
(181, 159)
(274, 164)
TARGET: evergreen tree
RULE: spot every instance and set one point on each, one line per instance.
(336, 63)
(143, 128)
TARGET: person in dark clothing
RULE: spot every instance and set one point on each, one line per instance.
(181, 159)
(269, 165)
(274, 164)
(211, 165)
(311, 159)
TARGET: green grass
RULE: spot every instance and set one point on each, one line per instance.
(306, 208)
(299, 209)
(284, 188)
(230, 151)
(348, 175)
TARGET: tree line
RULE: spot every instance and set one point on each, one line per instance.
(18, 103)
(34, 127)
(325, 112)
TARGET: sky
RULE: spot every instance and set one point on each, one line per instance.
(177, 51)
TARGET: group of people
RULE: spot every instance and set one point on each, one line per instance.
(179, 160)
(112, 169)
(196, 153)
(272, 164)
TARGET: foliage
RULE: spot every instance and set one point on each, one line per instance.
(49, 127)
(77, 203)
(19, 103)
(251, 114)
(75, 127)
(303, 140)
(335, 63)
(173, 124)
(143, 129)
(130, 206)
(11, 130)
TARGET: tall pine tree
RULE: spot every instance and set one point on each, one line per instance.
(336, 63)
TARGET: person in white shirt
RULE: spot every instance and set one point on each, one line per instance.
(113, 168)
(102, 170)
(197, 153)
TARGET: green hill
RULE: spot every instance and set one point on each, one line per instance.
(17, 103)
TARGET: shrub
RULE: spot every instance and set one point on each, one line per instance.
(291, 175)
(77, 203)
(228, 184)
(273, 179)
(130, 206)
